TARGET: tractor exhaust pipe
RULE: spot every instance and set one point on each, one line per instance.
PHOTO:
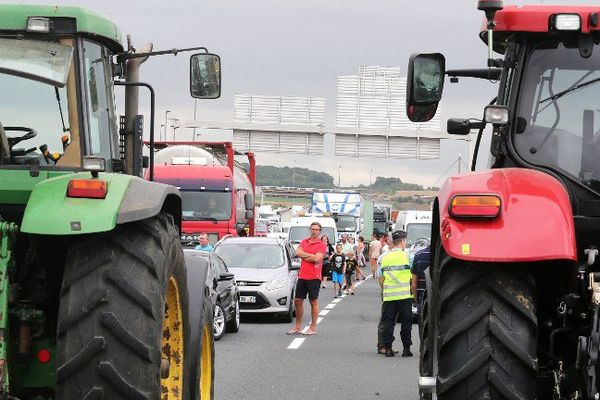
(132, 102)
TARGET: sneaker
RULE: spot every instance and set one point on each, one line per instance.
(390, 353)
(340, 293)
(406, 352)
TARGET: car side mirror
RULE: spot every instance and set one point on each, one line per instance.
(295, 266)
(424, 85)
(226, 276)
(205, 76)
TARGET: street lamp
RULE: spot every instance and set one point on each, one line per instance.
(294, 174)
(166, 123)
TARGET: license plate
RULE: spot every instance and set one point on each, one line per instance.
(247, 299)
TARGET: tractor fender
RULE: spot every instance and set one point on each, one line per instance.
(128, 198)
(535, 222)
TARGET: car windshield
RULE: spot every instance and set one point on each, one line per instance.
(558, 123)
(251, 255)
(345, 223)
(205, 206)
(417, 231)
(299, 233)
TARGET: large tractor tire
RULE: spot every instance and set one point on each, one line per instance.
(487, 333)
(202, 341)
(123, 322)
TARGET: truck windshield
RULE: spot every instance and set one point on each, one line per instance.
(558, 122)
(299, 233)
(345, 223)
(380, 226)
(251, 255)
(417, 231)
(206, 206)
(33, 76)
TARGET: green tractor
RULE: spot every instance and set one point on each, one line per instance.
(95, 299)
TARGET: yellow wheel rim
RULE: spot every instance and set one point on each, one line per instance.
(172, 344)
(206, 362)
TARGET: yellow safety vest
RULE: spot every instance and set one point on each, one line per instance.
(396, 273)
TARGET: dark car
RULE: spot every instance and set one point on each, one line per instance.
(224, 291)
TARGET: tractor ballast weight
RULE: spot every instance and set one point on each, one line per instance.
(512, 306)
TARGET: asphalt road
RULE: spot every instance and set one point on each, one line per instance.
(339, 362)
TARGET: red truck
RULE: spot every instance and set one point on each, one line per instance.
(217, 192)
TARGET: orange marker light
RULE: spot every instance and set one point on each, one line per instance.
(87, 188)
(473, 206)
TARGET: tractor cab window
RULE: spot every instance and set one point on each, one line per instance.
(37, 124)
(100, 102)
(558, 120)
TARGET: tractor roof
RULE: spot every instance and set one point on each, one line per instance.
(536, 19)
(13, 17)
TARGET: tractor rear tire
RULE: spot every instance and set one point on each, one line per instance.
(123, 316)
(487, 331)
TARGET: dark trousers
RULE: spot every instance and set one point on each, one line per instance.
(390, 311)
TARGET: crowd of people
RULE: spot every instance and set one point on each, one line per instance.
(343, 263)
(399, 278)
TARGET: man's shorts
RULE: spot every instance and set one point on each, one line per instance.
(310, 287)
(337, 277)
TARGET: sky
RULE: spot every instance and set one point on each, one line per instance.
(298, 48)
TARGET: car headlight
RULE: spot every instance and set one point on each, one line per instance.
(276, 284)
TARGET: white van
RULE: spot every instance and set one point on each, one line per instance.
(416, 224)
(300, 229)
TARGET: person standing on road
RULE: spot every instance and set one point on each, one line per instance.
(204, 245)
(338, 262)
(419, 265)
(326, 270)
(311, 251)
(346, 245)
(360, 258)
(349, 270)
(394, 279)
(374, 252)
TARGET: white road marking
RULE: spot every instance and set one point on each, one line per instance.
(336, 301)
(324, 312)
(296, 343)
(319, 319)
(330, 306)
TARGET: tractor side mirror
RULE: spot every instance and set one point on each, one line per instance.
(249, 214)
(248, 201)
(424, 85)
(205, 76)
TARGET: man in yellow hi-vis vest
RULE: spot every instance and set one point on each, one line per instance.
(394, 279)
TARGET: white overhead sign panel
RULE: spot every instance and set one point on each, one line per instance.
(285, 110)
(279, 124)
(371, 118)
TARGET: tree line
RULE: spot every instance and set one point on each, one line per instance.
(268, 175)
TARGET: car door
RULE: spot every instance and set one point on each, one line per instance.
(290, 254)
(225, 288)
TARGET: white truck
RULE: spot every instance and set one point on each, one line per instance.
(345, 208)
(300, 229)
(417, 225)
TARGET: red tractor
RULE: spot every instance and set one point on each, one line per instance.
(512, 309)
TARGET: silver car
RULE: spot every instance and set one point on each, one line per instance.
(265, 274)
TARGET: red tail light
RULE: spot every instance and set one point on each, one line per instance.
(44, 356)
(482, 206)
(87, 188)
